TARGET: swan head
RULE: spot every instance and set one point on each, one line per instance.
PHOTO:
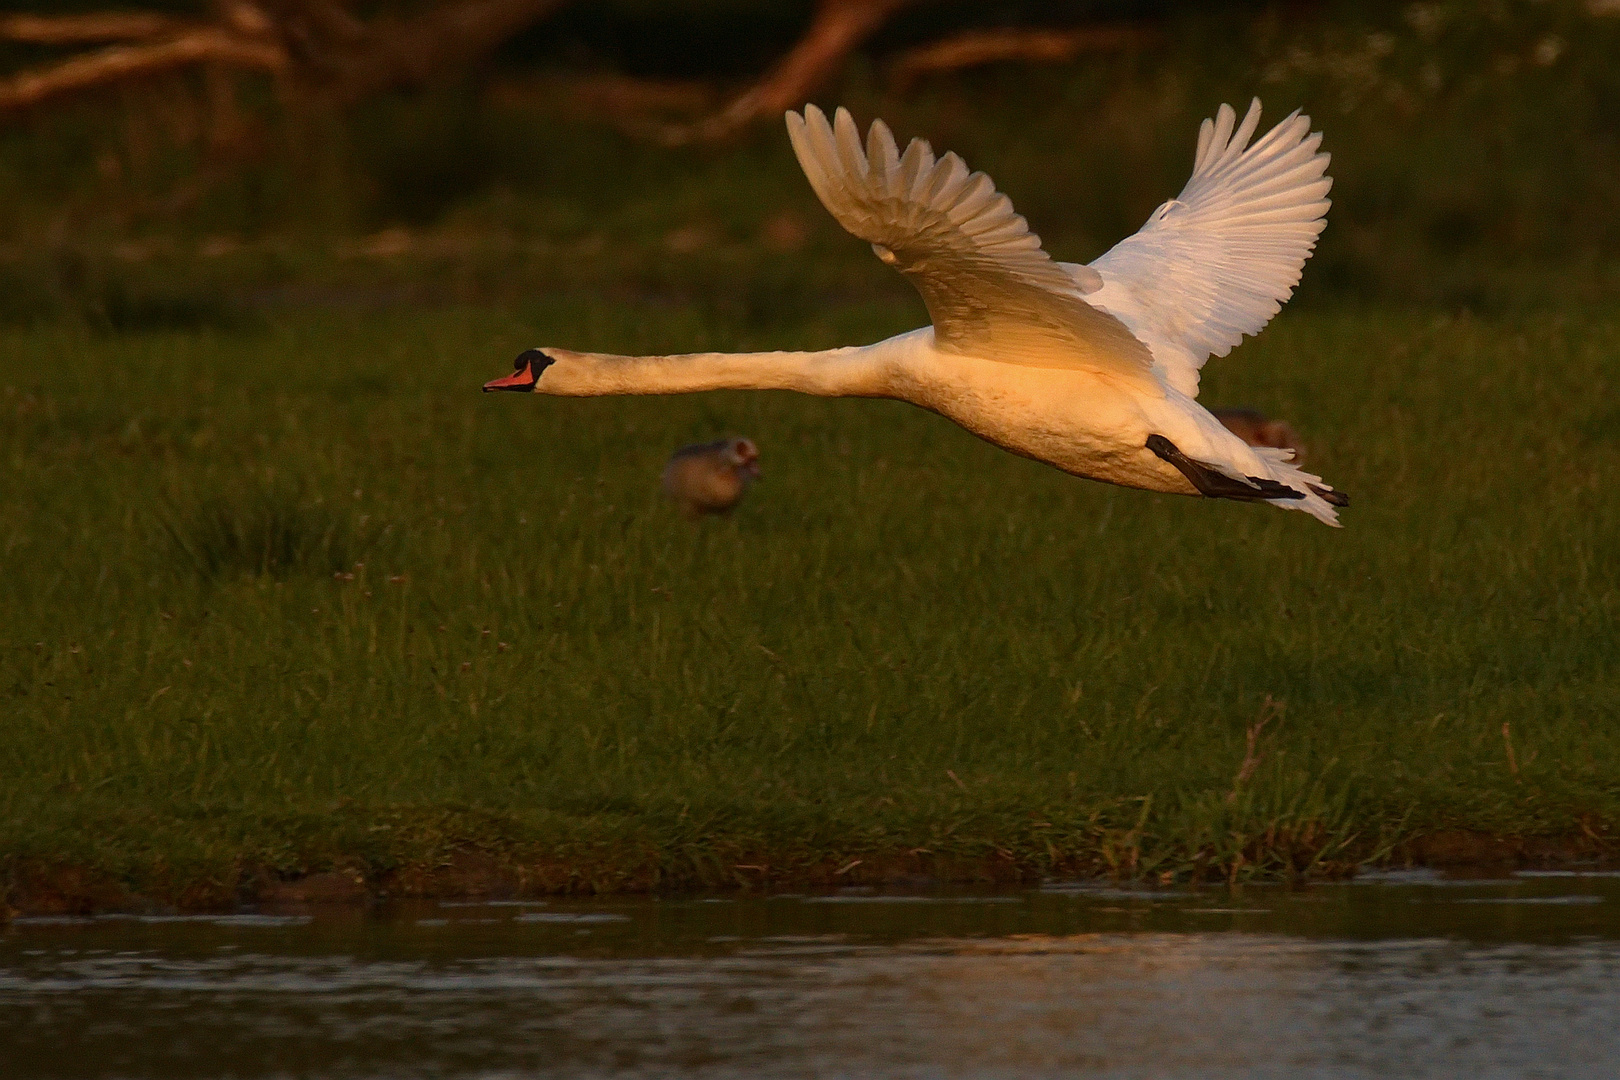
(526, 371)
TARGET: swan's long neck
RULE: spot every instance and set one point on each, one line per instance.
(859, 371)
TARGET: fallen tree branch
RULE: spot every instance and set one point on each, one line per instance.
(209, 45)
(838, 28)
(980, 47)
(87, 29)
(316, 45)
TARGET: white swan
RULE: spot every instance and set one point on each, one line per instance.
(1093, 369)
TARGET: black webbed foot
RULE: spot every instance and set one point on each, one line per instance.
(1215, 484)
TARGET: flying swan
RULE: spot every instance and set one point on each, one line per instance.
(1093, 369)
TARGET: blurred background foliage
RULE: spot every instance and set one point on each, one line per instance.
(1476, 157)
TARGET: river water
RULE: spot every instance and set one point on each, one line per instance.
(1393, 975)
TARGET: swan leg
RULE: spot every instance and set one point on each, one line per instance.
(1335, 498)
(1217, 485)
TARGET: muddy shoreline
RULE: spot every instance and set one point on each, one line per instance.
(35, 887)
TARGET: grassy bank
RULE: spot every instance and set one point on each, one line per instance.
(907, 648)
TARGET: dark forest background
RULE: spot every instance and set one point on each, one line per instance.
(1476, 152)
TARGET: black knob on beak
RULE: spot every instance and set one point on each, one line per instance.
(526, 371)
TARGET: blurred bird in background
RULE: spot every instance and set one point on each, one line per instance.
(711, 478)
(1256, 430)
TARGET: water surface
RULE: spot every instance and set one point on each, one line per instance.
(1394, 975)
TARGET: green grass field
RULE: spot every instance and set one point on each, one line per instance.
(907, 647)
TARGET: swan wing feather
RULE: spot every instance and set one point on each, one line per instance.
(1218, 260)
(991, 290)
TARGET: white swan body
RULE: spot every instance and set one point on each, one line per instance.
(1093, 369)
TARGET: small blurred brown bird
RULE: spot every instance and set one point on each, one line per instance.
(1254, 429)
(711, 478)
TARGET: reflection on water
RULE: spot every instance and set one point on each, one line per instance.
(1395, 976)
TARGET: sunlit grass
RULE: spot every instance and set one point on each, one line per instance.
(302, 597)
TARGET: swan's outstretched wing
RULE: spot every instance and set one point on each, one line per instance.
(1217, 261)
(990, 289)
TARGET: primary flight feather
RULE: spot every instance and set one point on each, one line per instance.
(1093, 369)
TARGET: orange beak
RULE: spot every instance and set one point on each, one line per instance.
(526, 371)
